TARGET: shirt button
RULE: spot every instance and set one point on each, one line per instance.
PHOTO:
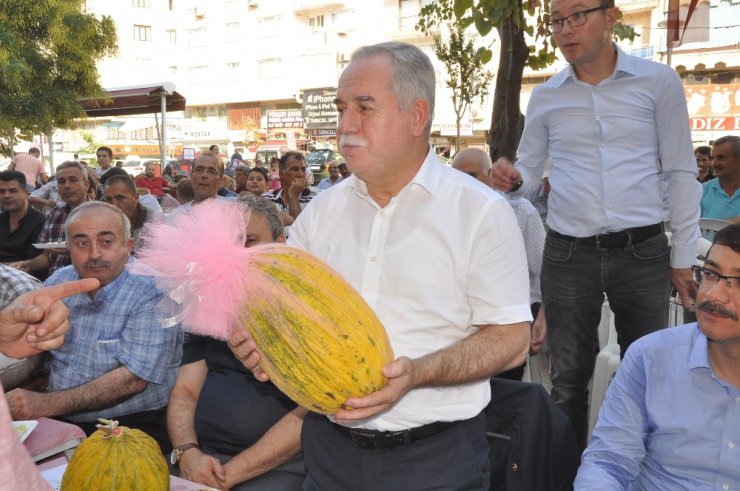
(731, 445)
(725, 486)
(382, 214)
(374, 258)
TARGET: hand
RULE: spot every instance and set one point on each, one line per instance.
(201, 468)
(21, 265)
(297, 187)
(539, 332)
(246, 351)
(400, 376)
(36, 321)
(683, 282)
(504, 175)
(25, 404)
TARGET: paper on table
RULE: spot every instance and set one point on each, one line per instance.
(54, 476)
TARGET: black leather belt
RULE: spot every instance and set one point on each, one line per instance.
(375, 440)
(615, 240)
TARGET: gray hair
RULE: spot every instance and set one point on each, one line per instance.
(72, 163)
(92, 205)
(266, 208)
(412, 74)
(244, 169)
(734, 140)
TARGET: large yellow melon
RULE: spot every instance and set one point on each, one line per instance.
(117, 458)
(321, 343)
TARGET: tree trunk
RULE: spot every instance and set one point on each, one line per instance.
(458, 117)
(507, 120)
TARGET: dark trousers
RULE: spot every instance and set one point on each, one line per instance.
(575, 276)
(455, 459)
(153, 423)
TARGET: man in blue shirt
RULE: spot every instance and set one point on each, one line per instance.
(721, 198)
(616, 129)
(671, 417)
(117, 361)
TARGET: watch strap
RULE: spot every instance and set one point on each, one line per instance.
(179, 450)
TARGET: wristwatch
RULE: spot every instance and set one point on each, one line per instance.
(178, 451)
(516, 186)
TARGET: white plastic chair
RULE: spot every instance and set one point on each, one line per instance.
(607, 362)
(710, 226)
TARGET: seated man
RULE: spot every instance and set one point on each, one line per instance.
(156, 185)
(295, 194)
(671, 416)
(719, 196)
(206, 179)
(72, 182)
(117, 362)
(20, 224)
(46, 197)
(227, 427)
(120, 192)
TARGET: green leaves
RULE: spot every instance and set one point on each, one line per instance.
(48, 50)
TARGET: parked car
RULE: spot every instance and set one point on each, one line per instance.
(134, 167)
(317, 160)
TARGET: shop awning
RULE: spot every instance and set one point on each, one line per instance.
(138, 99)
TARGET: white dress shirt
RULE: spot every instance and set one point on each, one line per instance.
(613, 146)
(443, 256)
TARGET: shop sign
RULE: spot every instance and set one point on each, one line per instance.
(713, 107)
(319, 110)
(284, 119)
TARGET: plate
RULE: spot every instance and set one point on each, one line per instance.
(24, 428)
(51, 245)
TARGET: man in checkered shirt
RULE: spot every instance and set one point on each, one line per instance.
(117, 362)
(72, 183)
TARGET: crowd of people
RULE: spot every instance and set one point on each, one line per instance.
(456, 263)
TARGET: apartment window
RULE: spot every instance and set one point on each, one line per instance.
(171, 4)
(172, 69)
(172, 35)
(269, 67)
(267, 26)
(316, 22)
(142, 33)
(197, 37)
(232, 31)
(198, 74)
(140, 3)
(232, 70)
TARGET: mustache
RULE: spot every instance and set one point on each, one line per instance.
(716, 308)
(352, 140)
(96, 263)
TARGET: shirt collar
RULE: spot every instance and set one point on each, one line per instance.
(427, 177)
(699, 355)
(625, 66)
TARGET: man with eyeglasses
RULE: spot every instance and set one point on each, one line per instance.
(616, 129)
(206, 179)
(671, 416)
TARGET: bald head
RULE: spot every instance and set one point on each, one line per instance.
(475, 163)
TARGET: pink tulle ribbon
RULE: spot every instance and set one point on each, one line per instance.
(199, 260)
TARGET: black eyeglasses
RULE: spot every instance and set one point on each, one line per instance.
(575, 19)
(708, 278)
